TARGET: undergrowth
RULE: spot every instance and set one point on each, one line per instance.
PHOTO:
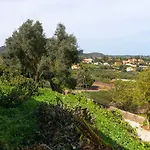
(18, 126)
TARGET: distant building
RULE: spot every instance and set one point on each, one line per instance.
(96, 63)
(118, 63)
(128, 69)
(131, 65)
(132, 60)
(125, 62)
(110, 59)
(140, 61)
(75, 67)
(88, 60)
(143, 67)
(106, 64)
(129, 61)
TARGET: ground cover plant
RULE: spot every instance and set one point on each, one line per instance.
(101, 97)
(111, 128)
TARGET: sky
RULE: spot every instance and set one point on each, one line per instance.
(116, 27)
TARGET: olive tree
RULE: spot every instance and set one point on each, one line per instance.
(27, 45)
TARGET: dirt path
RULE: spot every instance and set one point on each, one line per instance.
(143, 134)
(102, 86)
(97, 86)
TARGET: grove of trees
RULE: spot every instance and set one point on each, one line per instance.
(132, 95)
(35, 56)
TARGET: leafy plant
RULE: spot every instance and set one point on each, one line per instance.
(56, 128)
(14, 96)
(60, 128)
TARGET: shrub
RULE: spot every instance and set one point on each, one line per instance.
(56, 128)
(13, 96)
(84, 79)
(12, 99)
(28, 86)
(60, 128)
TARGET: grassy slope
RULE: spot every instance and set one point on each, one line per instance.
(18, 125)
(101, 97)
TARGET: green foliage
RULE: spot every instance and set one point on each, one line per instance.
(2, 70)
(18, 89)
(112, 129)
(127, 75)
(41, 59)
(107, 73)
(123, 94)
(100, 73)
(110, 126)
(62, 51)
(143, 89)
(101, 97)
(143, 84)
(89, 135)
(56, 85)
(84, 79)
(17, 126)
(122, 68)
(28, 85)
(60, 128)
(145, 123)
(27, 45)
(18, 94)
(12, 99)
(56, 127)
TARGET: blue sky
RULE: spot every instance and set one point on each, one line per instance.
(107, 26)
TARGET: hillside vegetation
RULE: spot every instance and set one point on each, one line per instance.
(33, 116)
(19, 125)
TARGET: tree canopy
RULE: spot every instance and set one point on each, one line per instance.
(143, 88)
(27, 44)
(62, 50)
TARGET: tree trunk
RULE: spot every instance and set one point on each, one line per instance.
(36, 76)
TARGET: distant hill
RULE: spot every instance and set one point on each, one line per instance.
(94, 55)
(130, 56)
(2, 49)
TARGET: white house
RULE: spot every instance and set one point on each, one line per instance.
(88, 61)
(96, 63)
(128, 64)
(128, 69)
(106, 64)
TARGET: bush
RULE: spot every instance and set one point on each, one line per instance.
(60, 128)
(123, 95)
(56, 128)
(19, 81)
(84, 79)
(14, 96)
(28, 86)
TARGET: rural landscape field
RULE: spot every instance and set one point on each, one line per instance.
(58, 92)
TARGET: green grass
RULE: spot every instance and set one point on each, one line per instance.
(106, 74)
(111, 130)
(101, 97)
(127, 75)
(18, 125)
